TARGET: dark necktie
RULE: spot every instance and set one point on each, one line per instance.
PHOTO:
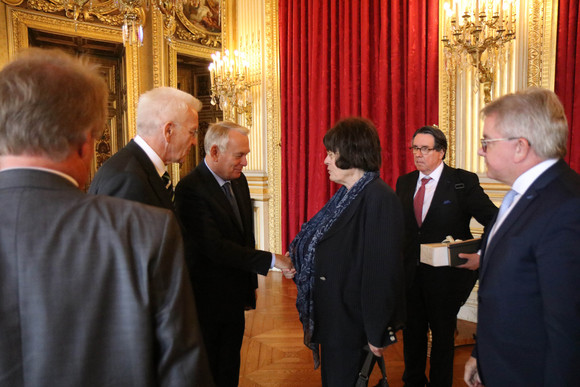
(227, 188)
(168, 185)
(418, 201)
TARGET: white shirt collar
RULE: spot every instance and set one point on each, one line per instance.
(435, 175)
(220, 181)
(526, 179)
(153, 156)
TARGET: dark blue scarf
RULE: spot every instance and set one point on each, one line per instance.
(303, 250)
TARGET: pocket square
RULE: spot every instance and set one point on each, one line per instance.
(447, 202)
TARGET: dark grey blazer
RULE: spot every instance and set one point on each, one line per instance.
(130, 174)
(94, 290)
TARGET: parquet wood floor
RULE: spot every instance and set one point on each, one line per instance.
(273, 353)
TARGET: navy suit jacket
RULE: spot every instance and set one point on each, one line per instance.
(221, 255)
(458, 197)
(528, 331)
(130, 174)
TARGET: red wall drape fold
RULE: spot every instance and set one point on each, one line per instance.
(567, 85)
(372, 58)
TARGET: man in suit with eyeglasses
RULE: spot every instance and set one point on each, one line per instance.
(528, 330)
(438, 201)
(167, 123)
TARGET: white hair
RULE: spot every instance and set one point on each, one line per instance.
(161, 105)
(218, 134)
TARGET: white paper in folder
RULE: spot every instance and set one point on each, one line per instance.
(445, 253)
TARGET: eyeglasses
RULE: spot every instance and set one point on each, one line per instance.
(485, 141)
(424, 149)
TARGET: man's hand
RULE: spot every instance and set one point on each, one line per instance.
(289, 273)
(472, 261)
(471, 376)
(283, 262)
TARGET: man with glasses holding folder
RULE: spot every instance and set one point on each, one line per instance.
(437, 201)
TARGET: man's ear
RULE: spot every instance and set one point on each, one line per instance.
(167, 131)
(523, 149)
(86, 149)
(214, 152)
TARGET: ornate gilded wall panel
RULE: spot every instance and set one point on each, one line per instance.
(273, 124)
(530, 61)
(200, 22)
(178, 47)
(21, 21)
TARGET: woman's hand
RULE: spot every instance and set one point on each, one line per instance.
(376, 350)
(291, 272)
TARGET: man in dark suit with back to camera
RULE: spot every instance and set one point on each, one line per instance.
(214, 205)
(437, 201)
(94, 289)
(167, 124)
(528, 330)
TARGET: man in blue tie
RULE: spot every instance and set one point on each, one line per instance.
(214, 205)
(528, 331)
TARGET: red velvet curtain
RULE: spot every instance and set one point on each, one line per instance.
(372, 58)
(568, 74)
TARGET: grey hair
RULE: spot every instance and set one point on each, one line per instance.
(218, 134)
(535, 114)
(161, 105)
(50, 101)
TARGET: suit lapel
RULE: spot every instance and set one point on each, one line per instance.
(407, 191)
(218, 196)
(154, 179)
(344, 218)
(507, 224)
(244, 204)
(519, 208)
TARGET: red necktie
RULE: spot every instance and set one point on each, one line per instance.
(418, 201)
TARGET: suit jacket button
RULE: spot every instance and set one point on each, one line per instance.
(323, 278)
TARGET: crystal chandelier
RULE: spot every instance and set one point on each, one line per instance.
(479, 36)
(230, 88)
(133, 12)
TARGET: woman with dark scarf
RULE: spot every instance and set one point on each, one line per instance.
(349, 266)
